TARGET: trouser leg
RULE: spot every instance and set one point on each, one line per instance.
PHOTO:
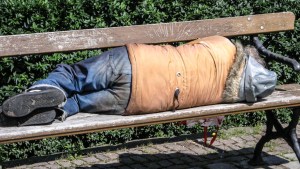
(112, 101)
(83, 82)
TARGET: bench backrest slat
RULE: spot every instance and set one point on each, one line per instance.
(50, 42)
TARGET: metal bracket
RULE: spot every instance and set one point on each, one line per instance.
(288, 134)
(283, 59)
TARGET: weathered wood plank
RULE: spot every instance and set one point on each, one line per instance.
(285, 96)
(49, 42)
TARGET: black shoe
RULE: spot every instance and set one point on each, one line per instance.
(7, 121)
(25, 103)
(37, 117)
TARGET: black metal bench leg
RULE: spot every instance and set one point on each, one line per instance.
(257, 159)
(292, 135)
(288, 134)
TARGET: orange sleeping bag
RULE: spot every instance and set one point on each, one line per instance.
(166, 77)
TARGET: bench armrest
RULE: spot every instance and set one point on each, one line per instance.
(283, 59)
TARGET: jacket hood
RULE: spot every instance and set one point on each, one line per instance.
(231, 91)
(248, 79)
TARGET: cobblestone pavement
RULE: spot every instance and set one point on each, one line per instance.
(231, 152)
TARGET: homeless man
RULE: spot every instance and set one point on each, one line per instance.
(139, 78)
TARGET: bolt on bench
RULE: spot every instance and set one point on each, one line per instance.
(285, 96)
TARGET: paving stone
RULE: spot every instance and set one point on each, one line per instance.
(114, 162)
(124, 167)
(188, 153)
(221, 166)
(246, 151)
(90, 159)
(212, 156)
(138, 158)
(244, 164)
(150, 150)
(151, 157)
(127, 160)
(112, 155)
(228, 142)
(160, 147)
(18, 167)
(165, 163)
(121, 151)
(234, 147)
(199, 158)
(175, 147)
(175, 155)
(274, 160)
(201, 163)
(152, 165)
(242, 145)
(91, 167)
(276, 167)
(84, 167)
(292, 165)
(248, 138)
(210, 149)
(137, 166)
(136, 151)
(54, 164)
(258, 136)
(198, 149)
(188, 159)
(178, 167)
(217, 142)
(176, 161)
(282, 149)
(251, 143)
(78, 162)
(38, 167)
(165, 155)
(100, 166)
(280, 141)
(235, 158)
(101, 157)
(64, 163)
(286, 148)
(219, 146)
(234, 150)
(238, 139)
(290, 156)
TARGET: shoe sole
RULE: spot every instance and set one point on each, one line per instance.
(24, 103)
(38, 117)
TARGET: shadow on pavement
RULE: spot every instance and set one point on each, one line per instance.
(168, 159)
(220, 160)
(183, 160)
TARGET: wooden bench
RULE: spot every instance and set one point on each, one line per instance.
(50, 42)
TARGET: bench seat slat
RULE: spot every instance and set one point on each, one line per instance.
(284, 96)
(49, 42)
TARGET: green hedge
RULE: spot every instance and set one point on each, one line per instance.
(30, 16)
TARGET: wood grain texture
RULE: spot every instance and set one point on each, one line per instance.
(24, 44)
(284, 96)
